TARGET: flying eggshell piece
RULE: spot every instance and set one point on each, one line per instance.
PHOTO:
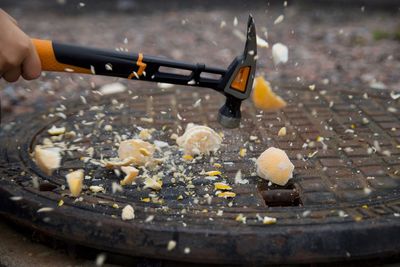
(274, 165)
(280, 53)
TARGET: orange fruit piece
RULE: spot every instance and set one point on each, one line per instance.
(264, 98)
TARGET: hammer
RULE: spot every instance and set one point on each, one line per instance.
(235, 82)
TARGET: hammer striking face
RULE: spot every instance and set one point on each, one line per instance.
(235, 82)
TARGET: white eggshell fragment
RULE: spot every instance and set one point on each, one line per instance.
(280, 53)
(112, 88)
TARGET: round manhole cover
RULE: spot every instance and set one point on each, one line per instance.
(342, 203)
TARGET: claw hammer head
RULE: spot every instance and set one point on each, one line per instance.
(238, 82)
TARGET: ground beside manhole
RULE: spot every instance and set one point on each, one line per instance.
(18, 250)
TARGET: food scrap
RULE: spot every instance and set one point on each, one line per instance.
(222, 186)
(108, 128)
(149, 218)
(264, 98)
(45, 209)
(140, 151)
(239, 179)
(145, 134)
(56, 131)
(226, 194)
(212, 173)
(217, 165)
(274, 165)
(75, 182)
(165, 85)
(128, 213)
(131, 174)
(47, 159)
(118, 163)
(199, 139)
(282, 131)
(112, 88)
(152, 183)
(242, 152)
(261, 42)
(187, 157)
(279, 19)
(171, 245)
(269, 220)
(97, 189)
(100, 259)
(241, 218)
(223, 190)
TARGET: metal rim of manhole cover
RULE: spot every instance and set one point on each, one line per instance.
(342, 203)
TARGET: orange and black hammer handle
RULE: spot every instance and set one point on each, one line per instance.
(76, 59)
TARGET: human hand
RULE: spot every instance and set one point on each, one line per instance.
(18, 56)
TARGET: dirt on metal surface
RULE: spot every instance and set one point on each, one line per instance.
(346, 179)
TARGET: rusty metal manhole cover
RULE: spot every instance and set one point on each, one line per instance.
(342, 203)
